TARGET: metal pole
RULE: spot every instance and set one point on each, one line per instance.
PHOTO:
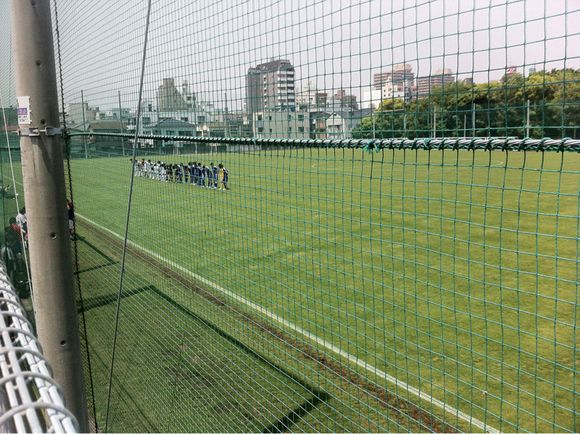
(473, 120)
(435, 121)
(45, 196)
(121, 124)
(528, 119)
(84, 123)
(226, 116)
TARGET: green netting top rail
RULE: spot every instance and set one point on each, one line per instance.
(451, 143)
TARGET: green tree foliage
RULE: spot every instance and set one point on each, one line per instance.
(497, 108)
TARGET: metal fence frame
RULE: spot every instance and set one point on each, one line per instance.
(30, 399)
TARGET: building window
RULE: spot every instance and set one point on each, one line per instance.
(259, 117)
(300, 117)
(200, 119)
(169, 133)
(185, 119)
(261, 129)
(185, 133)
(300, 129)
(146, 121)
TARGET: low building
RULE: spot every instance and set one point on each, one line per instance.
(105, 127)
(390, 90)
(168, 127)
(339, 124)
(94, 143)
(282, 125)
(371, 99)
(123, 114)
(77, 113)
(310, 98)
(342, 101)
(171, 128)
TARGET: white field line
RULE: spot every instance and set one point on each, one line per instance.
(353, 359)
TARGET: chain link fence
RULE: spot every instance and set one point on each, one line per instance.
(325, 216)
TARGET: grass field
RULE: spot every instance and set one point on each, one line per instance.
(454, 272)
(185, 363)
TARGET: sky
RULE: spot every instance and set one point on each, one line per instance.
(332, 43)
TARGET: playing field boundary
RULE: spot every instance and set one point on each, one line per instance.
(319, 341)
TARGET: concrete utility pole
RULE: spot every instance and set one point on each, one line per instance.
(45, 196)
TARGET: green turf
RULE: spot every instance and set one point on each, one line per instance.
(183, 364)
(170, 363)
(455, 272)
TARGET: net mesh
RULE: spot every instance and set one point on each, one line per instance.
(344, 216)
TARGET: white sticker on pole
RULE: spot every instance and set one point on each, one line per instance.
(23, 110)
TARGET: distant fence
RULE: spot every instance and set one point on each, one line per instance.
(340, 216)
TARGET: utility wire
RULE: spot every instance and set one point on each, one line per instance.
(123, 259)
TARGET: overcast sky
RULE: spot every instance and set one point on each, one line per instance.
(333, 43)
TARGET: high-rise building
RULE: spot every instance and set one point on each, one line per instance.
(401, 75)
(270, 86)
(169, 99)
(254, 91)
(425, 85)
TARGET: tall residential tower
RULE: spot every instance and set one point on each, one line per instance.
(270, 86)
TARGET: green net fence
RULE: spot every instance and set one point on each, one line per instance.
(340, 216)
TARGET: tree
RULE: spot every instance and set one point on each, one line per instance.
(496, 108)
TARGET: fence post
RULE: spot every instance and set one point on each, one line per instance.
(84, 123)
(45, 196)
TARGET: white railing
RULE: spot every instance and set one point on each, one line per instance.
(30, 399)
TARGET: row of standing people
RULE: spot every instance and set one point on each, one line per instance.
(193, 173)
